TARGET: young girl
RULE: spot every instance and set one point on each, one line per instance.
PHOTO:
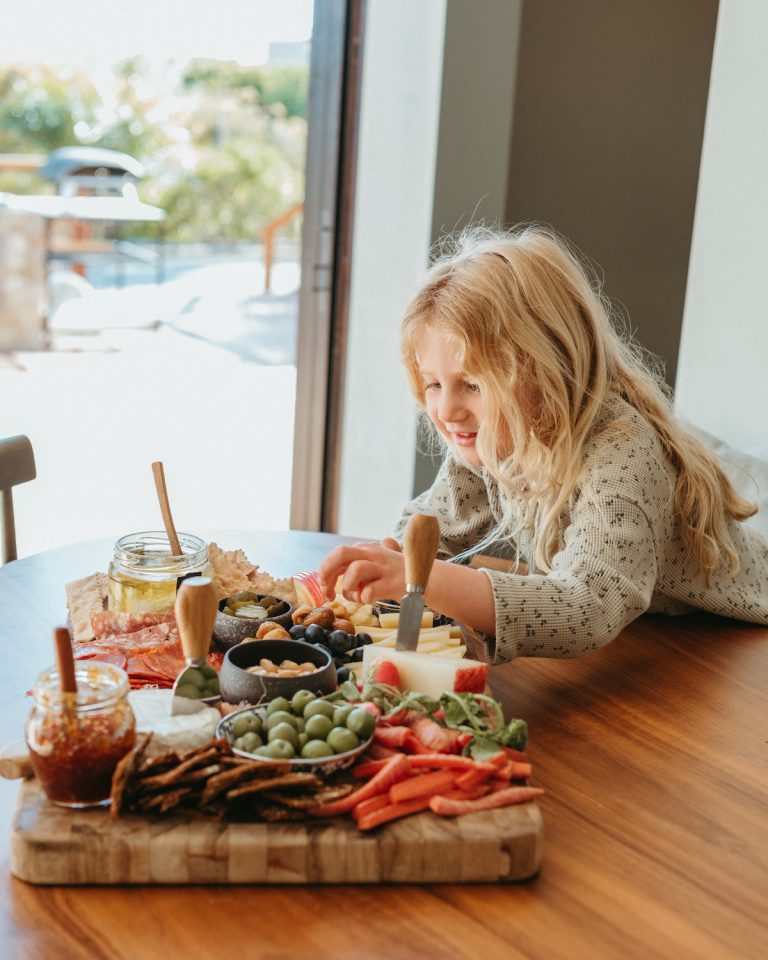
(560, 441)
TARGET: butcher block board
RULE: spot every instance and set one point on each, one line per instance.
(52, 845)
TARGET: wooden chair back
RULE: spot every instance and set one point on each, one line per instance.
(17, 465)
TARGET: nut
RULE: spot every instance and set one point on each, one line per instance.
(300, 613)
(346, 625)
(322, 616)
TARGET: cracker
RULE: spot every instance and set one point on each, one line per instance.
(84, 597)
(234, 573)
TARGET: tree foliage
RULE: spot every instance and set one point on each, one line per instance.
(223, 149)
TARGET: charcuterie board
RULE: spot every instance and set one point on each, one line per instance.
(52, 845)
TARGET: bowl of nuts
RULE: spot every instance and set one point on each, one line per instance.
(240, 616)
(257, 671)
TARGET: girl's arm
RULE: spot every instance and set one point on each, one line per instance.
(375, 571)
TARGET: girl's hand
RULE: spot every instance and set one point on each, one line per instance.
(370, 571)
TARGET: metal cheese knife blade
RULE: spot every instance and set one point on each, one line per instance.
(422, 537)
(195, 615)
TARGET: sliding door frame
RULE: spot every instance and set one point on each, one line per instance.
(332, 114)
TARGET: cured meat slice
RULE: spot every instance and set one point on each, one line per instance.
(158, 637)
(105, 656)
(166, 665)
(108, 622)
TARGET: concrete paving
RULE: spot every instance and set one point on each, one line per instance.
(198, 372)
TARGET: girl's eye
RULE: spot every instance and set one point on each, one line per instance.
(432, 385)
(474, 387)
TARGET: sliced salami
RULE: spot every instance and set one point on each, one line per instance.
(161, 636)
(107, 622)
(104, 656)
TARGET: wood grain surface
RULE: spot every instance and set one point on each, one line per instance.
(50, 845)
(654, 756)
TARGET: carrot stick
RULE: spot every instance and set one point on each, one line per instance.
(446, 807)
(392, 812)
(449, 761)
(366, 769)
(471, 779)
(474, 794)
(396, 768)
(368, 806)
(428, 784)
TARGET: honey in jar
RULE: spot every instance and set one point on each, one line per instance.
(144, 573)
(77, 739)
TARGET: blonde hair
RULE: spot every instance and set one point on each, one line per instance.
(529, 323)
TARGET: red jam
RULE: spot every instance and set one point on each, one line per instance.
(76, 740)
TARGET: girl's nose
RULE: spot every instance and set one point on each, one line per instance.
(451, 409)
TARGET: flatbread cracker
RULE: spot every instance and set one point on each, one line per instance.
(84, 597)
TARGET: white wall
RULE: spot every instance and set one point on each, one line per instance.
(722, 381)
(402, 74)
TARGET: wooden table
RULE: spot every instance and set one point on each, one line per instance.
(653, 753)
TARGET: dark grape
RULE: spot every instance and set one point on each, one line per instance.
(357, 656)
(343, 674)
(314, 633)
(297, 631)
(363, 639)
(339, 642)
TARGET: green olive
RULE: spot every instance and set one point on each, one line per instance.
(340, 740)
(246, 722)
(284, 731)
(279, 703)
(249, 742)
(280, 749)
(302, 739)
(188, 690)
(361, 722)
(315, 750)
(195, 677)
(300, 699)
(318, 706)
(318, 727)
(208, 671)
(340, 715)
(280, 716)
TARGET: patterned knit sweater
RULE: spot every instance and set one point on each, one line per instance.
(621, 553)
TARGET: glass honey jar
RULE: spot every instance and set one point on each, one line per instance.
(76, 740)
(144, 574)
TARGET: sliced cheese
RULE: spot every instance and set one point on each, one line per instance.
(391, 620)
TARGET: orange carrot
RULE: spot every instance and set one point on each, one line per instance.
(449, 761)
(368, 806)
(393, 811)
(366, 769)
(471, 779)
(428, 784)
(396, 768)
(447, 807)
(474, 794)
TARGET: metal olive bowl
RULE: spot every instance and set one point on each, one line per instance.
(229, 630)
(239, 686)
(322, 767)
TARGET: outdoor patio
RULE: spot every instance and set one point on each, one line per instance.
(198, 372)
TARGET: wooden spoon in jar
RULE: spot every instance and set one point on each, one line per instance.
(165, 507)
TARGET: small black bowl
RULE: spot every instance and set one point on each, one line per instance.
(229, 630)
(238, 686)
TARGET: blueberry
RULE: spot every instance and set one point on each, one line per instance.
(343, 674)
(297, 631)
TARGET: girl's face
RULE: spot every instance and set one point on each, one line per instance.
(452, 397)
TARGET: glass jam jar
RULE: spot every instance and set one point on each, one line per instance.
(144, 574)
(76, 740)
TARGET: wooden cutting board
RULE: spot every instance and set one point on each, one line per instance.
(51, 845)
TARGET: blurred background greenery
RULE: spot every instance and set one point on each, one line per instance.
(223, 145)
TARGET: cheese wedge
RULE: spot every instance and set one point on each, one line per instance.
(429, 673)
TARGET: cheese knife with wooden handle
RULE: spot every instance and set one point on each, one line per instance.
(420, 543)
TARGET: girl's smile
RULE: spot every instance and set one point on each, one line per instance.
(452, 397)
